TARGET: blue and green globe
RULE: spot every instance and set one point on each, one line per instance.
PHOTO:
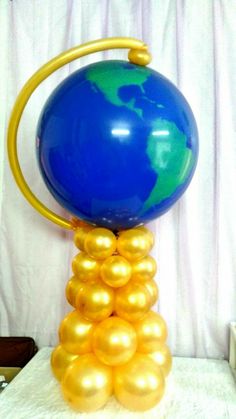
(117, 144)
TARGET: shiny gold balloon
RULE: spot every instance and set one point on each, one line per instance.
(85, 268)
(133, 244)
(114, 341)
(132, 301)
(152, 288)
(95, 301)
(149, 234)
(75, 333)
(81, 234)
(162, 357)
(100, 243)
(116, 271)
(87, 384)
(139, 57)
(72, 289)
(139, 384)
(144, 269)
(60, 361)
(151, 331)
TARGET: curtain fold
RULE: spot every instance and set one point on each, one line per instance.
(193, 43)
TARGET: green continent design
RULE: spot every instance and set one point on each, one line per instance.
(170, 158)
(110, 86)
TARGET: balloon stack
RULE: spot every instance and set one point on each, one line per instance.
(112, 343)
(117, 146)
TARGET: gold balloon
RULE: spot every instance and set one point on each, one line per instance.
(72, 289)
(114, 341)
(152, 288)
(132, 301)
(144, 269)
(133, 244)
(87, 384)
(116, 271)
(162, 357)
(148, 233)
(95, 301)
(60, 361)
(139, 384)
(139, 57)
(85, 268)
(151, 331)
(81, 234)
(75, 333)
(100, 243)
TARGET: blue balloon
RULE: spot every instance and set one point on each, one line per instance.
(117, 144)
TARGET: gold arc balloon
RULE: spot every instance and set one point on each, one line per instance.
(133, 244)
(116, 271)
(140, 56)
(144, 269)
(75, 333)
(80, 235)
(73, 287)
(114, 341)
(139, 384)
(151, 331)
(87, 384)
(162, 357)
(132, 301)
(85, 267)
(78, 223)
(95, 301)
(60, 361)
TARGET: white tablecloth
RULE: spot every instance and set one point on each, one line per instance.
(196, 389)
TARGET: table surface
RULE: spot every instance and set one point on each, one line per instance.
(196, 389)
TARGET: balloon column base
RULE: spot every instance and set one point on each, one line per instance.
(112, 343)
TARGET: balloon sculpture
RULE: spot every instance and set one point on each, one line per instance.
(117, 146)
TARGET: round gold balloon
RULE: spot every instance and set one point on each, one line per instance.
(114, 341)
(162, 357)
(80, 235)
(116, 271)
(144, 269)
(139, 384)
(133, 244)
(87, 384)
(139, 57)
(132, 301)
(95, 301)
(151, 331)
(85, 268)
(60, 361)
(148, 233)
(72, 289)
(152, 288)
(100, 243)
(75, 333)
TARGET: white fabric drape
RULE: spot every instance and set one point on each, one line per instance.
(194, 44)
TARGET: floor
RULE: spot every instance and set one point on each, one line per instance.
(196, 389)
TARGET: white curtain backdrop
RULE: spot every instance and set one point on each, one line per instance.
(193, 43)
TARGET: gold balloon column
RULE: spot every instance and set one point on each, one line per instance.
(112, 343)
